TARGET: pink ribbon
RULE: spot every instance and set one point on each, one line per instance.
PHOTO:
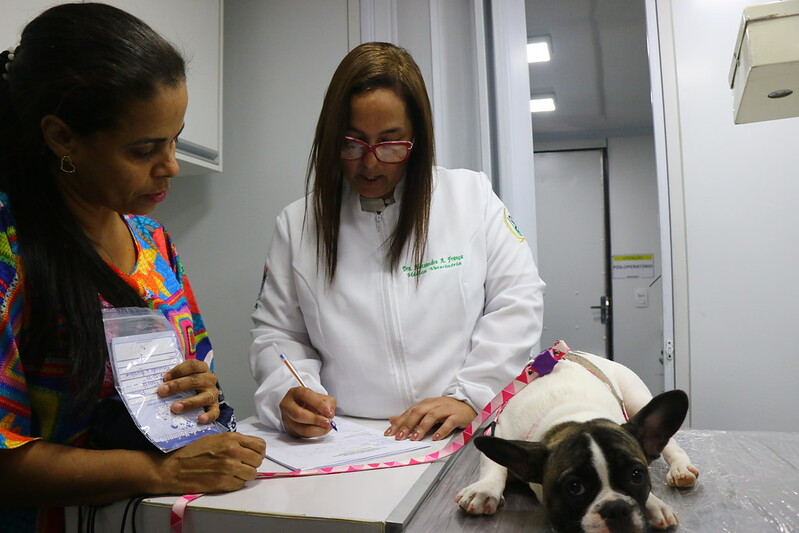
(545, 360)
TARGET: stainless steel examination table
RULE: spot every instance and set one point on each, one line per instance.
(748, 483)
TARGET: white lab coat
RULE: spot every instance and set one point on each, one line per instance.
(461, 325)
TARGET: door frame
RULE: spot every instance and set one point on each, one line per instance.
(668, 162)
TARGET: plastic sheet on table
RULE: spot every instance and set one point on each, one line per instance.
(748, 482)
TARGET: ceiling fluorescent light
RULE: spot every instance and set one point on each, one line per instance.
(542, 102)
(538, 49)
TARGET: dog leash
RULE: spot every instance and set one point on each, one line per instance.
(578, 357)
(541, 365)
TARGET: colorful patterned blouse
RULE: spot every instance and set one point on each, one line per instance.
(33, 399)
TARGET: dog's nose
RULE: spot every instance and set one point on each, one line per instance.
(616, 512)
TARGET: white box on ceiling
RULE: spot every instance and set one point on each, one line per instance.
(764, 76)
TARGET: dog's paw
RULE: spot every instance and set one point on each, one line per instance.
(660, 515)
(682, 475)
(480, 498)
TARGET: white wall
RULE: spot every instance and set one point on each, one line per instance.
(633, 196)
(278, 59)
(739, 187)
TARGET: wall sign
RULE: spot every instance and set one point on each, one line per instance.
(634, 266)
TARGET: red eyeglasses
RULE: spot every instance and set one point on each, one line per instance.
(391, 152)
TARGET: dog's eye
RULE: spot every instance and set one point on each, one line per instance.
(574, 486)
(637, 475)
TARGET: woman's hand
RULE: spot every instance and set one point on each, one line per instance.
(44, 473)
(193, 375)
(307, 413)
(417, 421)
(214, 463)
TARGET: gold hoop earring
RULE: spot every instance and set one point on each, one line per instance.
(67, 167)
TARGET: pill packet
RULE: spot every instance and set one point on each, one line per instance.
(142, 347)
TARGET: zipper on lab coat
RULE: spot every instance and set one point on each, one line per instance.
(395, 348)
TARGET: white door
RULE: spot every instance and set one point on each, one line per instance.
(572, 249)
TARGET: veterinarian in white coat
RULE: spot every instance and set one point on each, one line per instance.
(418, 299)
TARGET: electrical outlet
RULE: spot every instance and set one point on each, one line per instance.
(641, 298)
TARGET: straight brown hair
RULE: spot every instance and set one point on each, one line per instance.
(366, 67)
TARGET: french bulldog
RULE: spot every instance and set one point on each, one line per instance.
(566, 434)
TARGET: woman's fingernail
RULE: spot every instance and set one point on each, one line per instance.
(163, 390)
(436, 436)
(167, 376)
(414, 435)
(177, 407)
(400, 435)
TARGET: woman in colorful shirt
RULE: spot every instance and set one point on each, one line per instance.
(91, 104)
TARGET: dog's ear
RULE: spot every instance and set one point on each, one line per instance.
(525, 459)
(655, 424)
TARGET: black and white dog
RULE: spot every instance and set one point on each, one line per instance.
(566, 434)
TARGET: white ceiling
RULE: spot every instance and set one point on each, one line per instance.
(599, 71)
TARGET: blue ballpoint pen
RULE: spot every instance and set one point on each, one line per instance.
(297, 375)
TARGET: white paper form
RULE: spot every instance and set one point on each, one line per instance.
(352, 444)
(139, 363)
